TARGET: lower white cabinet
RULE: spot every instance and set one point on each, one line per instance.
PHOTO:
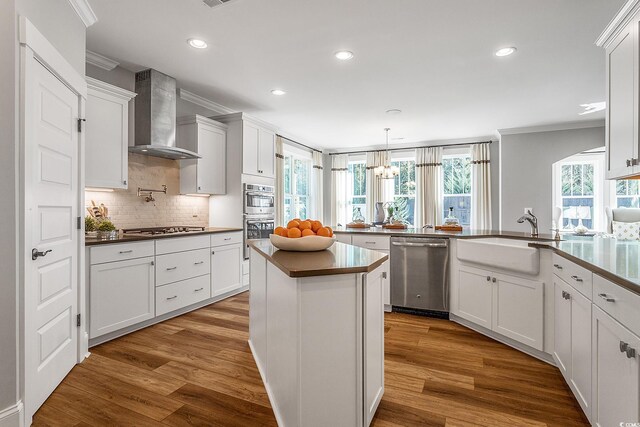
(121, 294)
(375, 243)
(616, 373)
(182, 294)
(511, 306)
(226, 269)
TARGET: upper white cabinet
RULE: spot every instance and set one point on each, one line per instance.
(621, 42)
(107, 135)
(208, 138)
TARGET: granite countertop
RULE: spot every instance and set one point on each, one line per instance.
(338, 259)
(427, 232)
(124, 238)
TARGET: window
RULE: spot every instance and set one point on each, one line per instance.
(577, 194)
(357, 179)
(404, 188)
(456, 171)
(297, 176)
(627, 194)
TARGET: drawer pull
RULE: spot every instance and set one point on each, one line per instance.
(370, 243)
(607, 298)
(198, 290)
(566, 295)
(576, 278)
(126, 252)
(558, 266)
(623, 346)
(153, 263)
(198, 263)
(173, 297)
(228, 238)
(631, 353)
(171, 268)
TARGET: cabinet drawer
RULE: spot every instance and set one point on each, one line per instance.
(220, 239)
(181, 294)
(182, 265)
(343, 238)
(120, 252)
(578, 277)
(370, 242)
(180, 244)
(618, 302)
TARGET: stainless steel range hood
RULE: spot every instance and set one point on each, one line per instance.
(155, 117)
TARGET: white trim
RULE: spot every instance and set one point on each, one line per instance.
(13, 416)
(100, 86)
(50, 57)
(84, 11)
(618, 23)
(100, 61)
(191, 97)
(554, 127)
(417, 144)
(235, 117)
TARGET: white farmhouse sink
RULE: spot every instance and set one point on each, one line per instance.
(505, 254)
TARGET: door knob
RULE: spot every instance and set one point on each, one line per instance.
(35, 253)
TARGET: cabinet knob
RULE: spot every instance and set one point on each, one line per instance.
(124, 182)
(213, 252)
(199, 188)
(631, 353)
(623, 346)
(493, 279)
(488, 278)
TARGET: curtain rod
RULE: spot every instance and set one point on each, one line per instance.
(299, 143)
(412, 148)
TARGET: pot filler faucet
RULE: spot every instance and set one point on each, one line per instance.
(533, 221)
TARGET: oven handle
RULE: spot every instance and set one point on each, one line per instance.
(258, 193)
(261, 222)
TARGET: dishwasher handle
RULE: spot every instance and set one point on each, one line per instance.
(420, 245)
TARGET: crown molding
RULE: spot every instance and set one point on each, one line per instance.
(586, 124)
(240, 116)
(618, 23)
(99, 85)
(84, 11)
(101, 61)
(185, 95)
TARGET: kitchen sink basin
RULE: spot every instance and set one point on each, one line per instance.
(505, 254)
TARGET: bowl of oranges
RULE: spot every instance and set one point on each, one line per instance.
(303, 236)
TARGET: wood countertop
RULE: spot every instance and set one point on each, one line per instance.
(338, 259)
(124, 238)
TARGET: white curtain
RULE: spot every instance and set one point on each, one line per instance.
(428, 186)
(339, 189)
(481, 187)
(316, 185)
(279, 181)
(375, 187)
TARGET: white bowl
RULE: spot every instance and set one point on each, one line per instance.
(302, 244)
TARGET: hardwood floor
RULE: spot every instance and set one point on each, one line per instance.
(197, 369)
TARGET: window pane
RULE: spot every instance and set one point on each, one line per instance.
(287, 174)
(457, 188)
(575, 209)
(566, 180)
(461, 208)
(587, 180)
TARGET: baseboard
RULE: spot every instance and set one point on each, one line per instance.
(263, 374)
(541, 355)
(13, 416)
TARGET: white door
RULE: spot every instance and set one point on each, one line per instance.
(226, 269)
(562, 327)
(373, 334)
(581, 350)
(51, 208)
(267, 153)
(250, 138)
(475, 296)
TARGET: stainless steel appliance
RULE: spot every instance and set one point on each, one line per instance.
(419, 275)
(257, 227)
(259, 200)
(152, 231)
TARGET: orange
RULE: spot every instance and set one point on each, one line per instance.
(324, 232)
(278, 231)
(284, 232)
(293, 224)
(316, 225)
(296, 219)
(307, 232)
(305, 225)
(294, 232)
(330, 231)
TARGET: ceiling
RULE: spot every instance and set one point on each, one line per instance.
(433, 59)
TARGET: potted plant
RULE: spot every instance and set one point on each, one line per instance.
(106, 230)
(90, 226)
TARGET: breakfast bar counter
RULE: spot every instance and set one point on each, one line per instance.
(316, 331)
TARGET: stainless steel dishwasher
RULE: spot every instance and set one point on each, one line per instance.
(419, 275)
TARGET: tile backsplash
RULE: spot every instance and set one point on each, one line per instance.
(127, 210)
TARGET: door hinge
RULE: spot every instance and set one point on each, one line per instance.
(78, 320)
(80, 124)
(79, 223)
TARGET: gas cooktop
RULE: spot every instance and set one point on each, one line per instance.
(162, 230)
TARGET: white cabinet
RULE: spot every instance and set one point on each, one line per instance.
(509, 305)
(373, 347)
(616, 374)
(208, 138)
(226, 268)
(375, 243)
(267, 153)
(107, 135)
(562, 327)
(343, 238)
(259, 150)
(121, 294)
(182, 294)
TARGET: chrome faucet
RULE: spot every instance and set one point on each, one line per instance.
(533, 221)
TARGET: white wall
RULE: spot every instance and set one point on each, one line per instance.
(526, 164)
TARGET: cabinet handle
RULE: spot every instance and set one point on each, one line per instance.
(213, 252)
(488, 278)
(493, 279)
(153, 263)
(566, 295)
(623, 346)
(171, 268)
(124, 182)
(606, 298)
(198, 290)
(126, 252)
(576, 278)
(198, 263)
(558, 266)
(199, 188)
(228, 238)
(173, 297)
(628, 163)
(370, 243)
(631, 353)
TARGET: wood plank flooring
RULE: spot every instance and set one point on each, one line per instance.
(197, 370)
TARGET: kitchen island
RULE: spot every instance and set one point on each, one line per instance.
(317, 332)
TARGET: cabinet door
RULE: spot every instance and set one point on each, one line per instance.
(616, 378)
(621, 132)
(581, 350)
(373, 350)
(106, 141)
(386, 283)
(475, 296)
(562, 327)
(121, 294)
(211, 169)
(518, 309)
(267, 154)
(226, 269)
(250, 142)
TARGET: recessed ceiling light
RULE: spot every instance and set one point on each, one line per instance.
(344, 55)
(278, 92)
(197, 43)
(394, 111)
(505, 51)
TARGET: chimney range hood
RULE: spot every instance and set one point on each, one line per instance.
(155, 117)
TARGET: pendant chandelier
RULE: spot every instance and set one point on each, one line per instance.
(387, 171)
